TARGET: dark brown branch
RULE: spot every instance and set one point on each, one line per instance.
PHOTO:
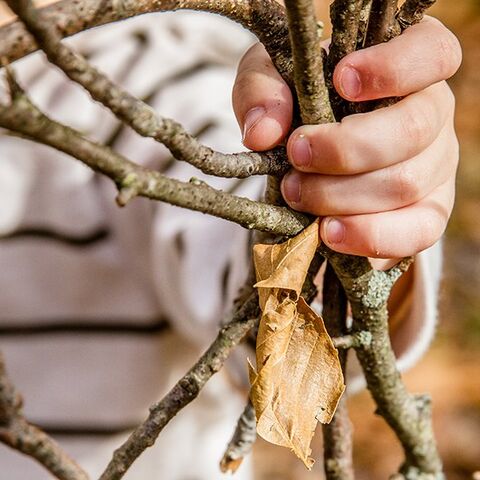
(308, 76)
(412, 11)
(185, 391)
(24, 118)
(409, 416)
(363, 24)
(140, 116)
(242, 440)
(337, 436)
(382, 25)
(264, 18)
(345, 18)
(17, 433)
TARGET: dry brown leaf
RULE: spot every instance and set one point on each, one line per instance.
(299, 379)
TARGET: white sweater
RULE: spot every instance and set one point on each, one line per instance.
(103, 309)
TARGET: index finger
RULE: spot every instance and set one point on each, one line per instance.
(262, 101)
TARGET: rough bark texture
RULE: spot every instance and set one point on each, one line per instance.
(264, 18)
(242, 440)
(137, 114)
(24, 118)
(308, 63)
(345, 16)
(412, 12)
(409, 416)
(337, 436)
(382, 25)
(185, 391)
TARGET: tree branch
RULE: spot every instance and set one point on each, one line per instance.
(412, 11)
(337, 435)
(264, 18)
(382, 25)
(345, 19)
(140, 116)
(242, 440)
(308, 76)
(17, 433)
(24, 118)
(409, 416)
(186, 389)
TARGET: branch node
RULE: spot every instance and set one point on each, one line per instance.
(125, 195)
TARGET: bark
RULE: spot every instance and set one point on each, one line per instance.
(24, 118)
(308, 75)
(264, 18)
(337, 436)
(20, 435)
(409, 416)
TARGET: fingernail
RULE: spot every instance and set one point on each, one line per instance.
(252, 118)
(335, 231)
(350, 82)
(301, 151)
(291, 187)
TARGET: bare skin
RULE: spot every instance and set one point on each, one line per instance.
(383, 182)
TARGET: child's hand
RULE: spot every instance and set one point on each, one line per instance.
(384, 181)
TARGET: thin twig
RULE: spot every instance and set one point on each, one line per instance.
(17, 433)
(382, 25)
(24, 118)
(412, 11)
(264, 18)
(241, 442)
(345, 19)
(337, 435)
(140, 116)
(358, 340)
(185, 391)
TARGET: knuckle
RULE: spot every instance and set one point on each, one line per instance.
(343, 146)
(417, 125)
(431, 229)
(449, 54)
(251, 56)
(407, 184)
(243, 82)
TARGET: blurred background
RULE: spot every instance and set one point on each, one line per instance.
(450, 372)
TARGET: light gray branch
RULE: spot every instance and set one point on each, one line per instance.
(241, 442)
(409, 416)
(264, 18)
(24, 118)
(140, 116)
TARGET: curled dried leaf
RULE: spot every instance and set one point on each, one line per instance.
(298, 380)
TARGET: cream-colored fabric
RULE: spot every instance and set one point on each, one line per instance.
(154, 261)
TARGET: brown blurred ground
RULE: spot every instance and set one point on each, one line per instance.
(451, 370)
